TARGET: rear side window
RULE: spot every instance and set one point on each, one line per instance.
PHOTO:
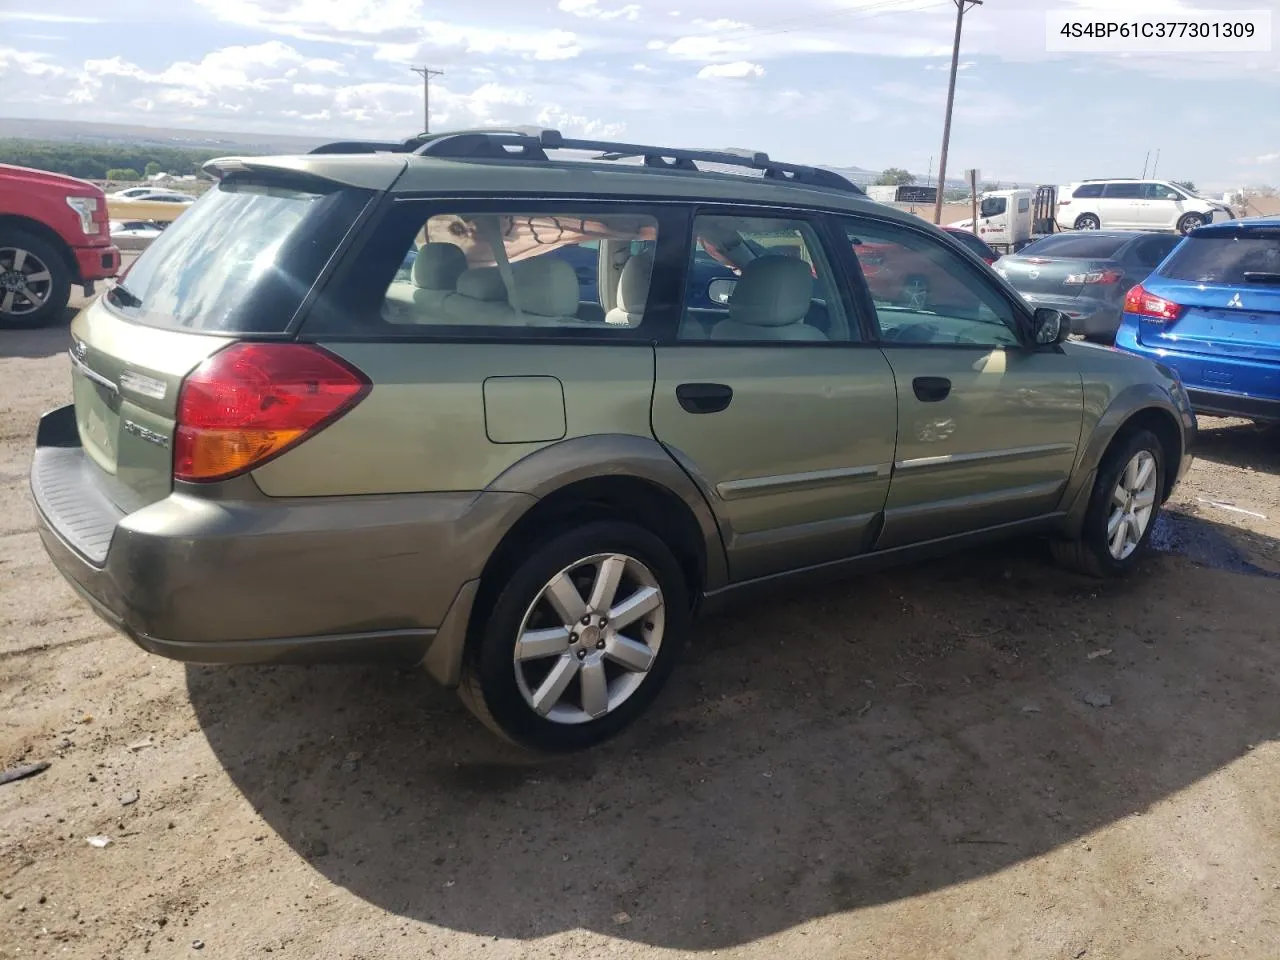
(1123, 191)
(1075, 247)
(966, 239)
(240, 260)
(446, 270)
(1226, 259)
(1087, 191)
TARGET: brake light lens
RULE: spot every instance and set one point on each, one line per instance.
(251, 402)
(1099, 276)
(1138, 301)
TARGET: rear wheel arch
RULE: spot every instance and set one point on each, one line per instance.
(1165, 426)
(610, 497)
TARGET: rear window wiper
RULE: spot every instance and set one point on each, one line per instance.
(1261, 276)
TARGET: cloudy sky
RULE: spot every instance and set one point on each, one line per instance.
(839, 82)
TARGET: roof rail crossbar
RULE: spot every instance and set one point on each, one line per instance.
(519, 145)
(367, 146)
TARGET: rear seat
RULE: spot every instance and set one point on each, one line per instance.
(436, 270)
(548, 289)
(480, 300)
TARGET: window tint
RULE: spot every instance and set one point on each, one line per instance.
(240, 260)
(1123, 191)
(1083, 246)
(1151, 250)
(969, 240)
(1087, 191)
(761, 279)
(431, 270)
(925, 293)
(1225, 259)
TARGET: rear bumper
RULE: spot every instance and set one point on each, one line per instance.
(1217, 386)
(263, 580)
(96, 263)
(1216, 404)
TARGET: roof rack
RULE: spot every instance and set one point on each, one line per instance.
(491, 144)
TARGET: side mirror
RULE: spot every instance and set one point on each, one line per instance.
(720, 289)
(1051, 326)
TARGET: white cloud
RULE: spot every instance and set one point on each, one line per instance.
(591, 9)
(1267, 158)
(35, 16)
(28, 63)
(737, 70)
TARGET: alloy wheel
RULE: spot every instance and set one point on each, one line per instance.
(1132, 505)
(26, 283)
(589, 639)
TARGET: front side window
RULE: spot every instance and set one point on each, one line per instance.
(761, 279)
(432, 271)
(924, 293)
(993, 206)
(1159, 191)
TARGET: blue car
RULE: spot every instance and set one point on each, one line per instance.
(1211, 311)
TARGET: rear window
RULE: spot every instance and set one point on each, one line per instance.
(240, 260)
(1224, 259)
(1075, 247)
(967, 239)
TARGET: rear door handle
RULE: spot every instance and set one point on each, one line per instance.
(704, 397)
(931, 389)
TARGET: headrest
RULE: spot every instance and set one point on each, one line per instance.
(633, 284)
(438, 266)
(482, 283)
(547, 285)
(773, 291)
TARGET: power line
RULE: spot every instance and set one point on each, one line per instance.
(962, 7)
(427, 73)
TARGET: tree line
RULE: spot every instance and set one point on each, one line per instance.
(106, 162)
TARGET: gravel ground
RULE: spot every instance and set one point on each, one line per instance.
(907, 765)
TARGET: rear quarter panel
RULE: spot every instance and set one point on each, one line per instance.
(431, 423)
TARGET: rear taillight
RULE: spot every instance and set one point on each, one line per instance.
(253, 401)
(1138, 301)
(1098, 276)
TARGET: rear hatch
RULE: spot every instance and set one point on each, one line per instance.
(1227, 283)
(238, 264)
(1065, 267)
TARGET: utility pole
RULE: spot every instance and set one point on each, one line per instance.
(962, 7)
(427, 73)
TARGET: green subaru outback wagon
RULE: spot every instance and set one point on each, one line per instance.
(517, 407)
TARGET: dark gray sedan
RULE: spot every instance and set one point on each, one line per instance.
(1086, 274)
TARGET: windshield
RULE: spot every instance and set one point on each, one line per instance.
(241, 259)
(1227, 259)
(1075, 247)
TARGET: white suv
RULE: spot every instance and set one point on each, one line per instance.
(1135, 205)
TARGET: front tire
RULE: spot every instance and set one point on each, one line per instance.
(35, 281)
(1088, 221)
(1122, 510)
(1188, 222)
(580, 640)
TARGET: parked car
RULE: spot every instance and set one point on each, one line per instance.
(1211, 312)
(1085, 275)
(530, 501)
(1123, 204)
(975, 245)
(53, 236)
(153, 194)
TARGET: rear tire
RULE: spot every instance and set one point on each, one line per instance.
(563, 660)
(1188, 222)
(1122, 511)
(35, 281)
(1088, 221)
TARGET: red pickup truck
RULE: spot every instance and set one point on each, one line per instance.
(53, 235)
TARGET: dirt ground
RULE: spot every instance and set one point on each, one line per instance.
(902, 766)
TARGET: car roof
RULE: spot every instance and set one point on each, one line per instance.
(1244, 226)
(619, 170)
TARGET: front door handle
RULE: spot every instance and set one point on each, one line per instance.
(931, 389)
(704, 397)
